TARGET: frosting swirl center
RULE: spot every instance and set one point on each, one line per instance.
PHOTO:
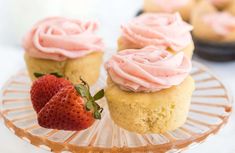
(148, 69)
(159, 29)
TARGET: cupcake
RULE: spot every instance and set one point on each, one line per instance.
(213, 25)
(63, 45)
(149, 90)
(184, 7)
(163, 30)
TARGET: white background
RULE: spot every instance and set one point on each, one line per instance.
(18, 15)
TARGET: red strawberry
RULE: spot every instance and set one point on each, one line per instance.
(72, 108)
(44, 88)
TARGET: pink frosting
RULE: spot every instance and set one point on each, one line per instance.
(219, 2)
(170, 5)
(222, 23)
(148, 69)
(59, 38)
(159, 29)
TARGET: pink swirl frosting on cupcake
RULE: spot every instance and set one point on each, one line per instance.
(170, 5)
(148, 69)
(159, 29)
(59, 38)
(222, 23)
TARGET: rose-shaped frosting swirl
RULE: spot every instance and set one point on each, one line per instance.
(170, 5)
(159, 29)
(222, 22)
(59, 38)
(148, 69)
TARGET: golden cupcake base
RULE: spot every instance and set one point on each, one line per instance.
(209, 112)
(145, 113)
(87, 67)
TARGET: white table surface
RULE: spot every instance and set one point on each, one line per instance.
(11, 60)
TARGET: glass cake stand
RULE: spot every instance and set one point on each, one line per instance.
(210, 109)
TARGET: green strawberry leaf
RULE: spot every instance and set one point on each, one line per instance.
(89, 105)
(99, 95)
(82, 90)
(57, 74)
(97, 115)
(38, 75)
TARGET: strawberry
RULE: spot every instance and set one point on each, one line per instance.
(72, 108)
(45, 87)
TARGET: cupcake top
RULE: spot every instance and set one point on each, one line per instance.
(148, 69)
(222, 22)
(163, 30)
(170, 5)
(59, 38)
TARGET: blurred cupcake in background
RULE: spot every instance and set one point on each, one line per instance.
(164, 30)
(67, 46)
(184, 7)
(213, 25)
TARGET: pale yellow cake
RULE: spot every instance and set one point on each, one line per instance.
(151, 6)
(88, 67)
(122, 45)
(155, 112)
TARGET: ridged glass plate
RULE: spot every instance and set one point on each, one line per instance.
(210, 109)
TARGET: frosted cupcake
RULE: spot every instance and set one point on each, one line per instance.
(149, 90)
(63, 45)
(213, 25)
(163, 30)
(184, 7)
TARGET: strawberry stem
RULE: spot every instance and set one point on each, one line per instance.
(84, 90)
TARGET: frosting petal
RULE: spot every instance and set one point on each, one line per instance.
(148, 69)
(159, 29)
(60, 38)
